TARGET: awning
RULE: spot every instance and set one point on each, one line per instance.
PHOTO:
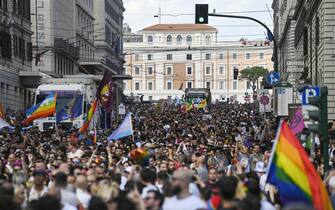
(95, 67)
(122, 77)
(31, 79)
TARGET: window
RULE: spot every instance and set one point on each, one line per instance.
(137, 86)
(208, 56)
(208, 85)
(150, 70)
(136, 57)
(221, 85)
(169, 85)
(221, 56)
(169, 98)
(150, 56)
(189, 57)
(179, 40)
(208, 70)
(189, 84)
(189, 70)
(261, 56)
(234, 56)
(15, 45)
(235, 85)
(189, 39)
(149, 85)
(208, 39)
(169, 57)
(137, 70)
(247, 56)
(150, 39)
(222, 70)
(150, 98)
(168, 70)
(247, 66)
(169, 40)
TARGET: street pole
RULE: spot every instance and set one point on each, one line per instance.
(275, 53)
(36, 27)
(324, 126)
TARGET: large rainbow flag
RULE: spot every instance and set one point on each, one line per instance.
(89, 116)
(45, 109)
(294, 175)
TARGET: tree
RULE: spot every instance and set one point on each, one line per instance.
(253, 74)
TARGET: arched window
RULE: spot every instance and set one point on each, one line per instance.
(179, 40)
(208, 39)
(189, 39)
(150, 39)
(169, 39)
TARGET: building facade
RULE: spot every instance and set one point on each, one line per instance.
(172, 57)
(54, 38)
(313, 44)
(15, 53)
(109, 22)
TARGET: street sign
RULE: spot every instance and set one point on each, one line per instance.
(264, 100)
(309, 92)
(283, 96)
(122, 109)
(273, 78)
(264, 103)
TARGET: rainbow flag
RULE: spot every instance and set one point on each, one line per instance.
(2, 113)
(45, 109)
(291, 171)
(89, 116)
(202, 104)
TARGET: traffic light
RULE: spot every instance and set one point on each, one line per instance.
(201, 13)
(235, 73)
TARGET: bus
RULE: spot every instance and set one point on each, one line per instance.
(198, 93)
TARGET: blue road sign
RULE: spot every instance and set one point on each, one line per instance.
(309, 92)
(273, 78)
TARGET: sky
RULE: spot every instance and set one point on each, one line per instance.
(140, 14)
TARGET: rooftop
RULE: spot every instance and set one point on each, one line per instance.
(180, 27)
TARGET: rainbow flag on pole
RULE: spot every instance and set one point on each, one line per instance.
(294, 175)
(89, 116)
(45, 109)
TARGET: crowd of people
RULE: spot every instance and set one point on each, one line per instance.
(202, 159)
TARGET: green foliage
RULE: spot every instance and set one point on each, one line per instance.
(254, 73)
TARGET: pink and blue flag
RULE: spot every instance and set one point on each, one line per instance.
(297, 123)
(125, 129)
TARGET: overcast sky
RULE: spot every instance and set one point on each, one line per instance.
(139, 14)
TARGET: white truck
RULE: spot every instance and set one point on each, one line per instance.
(67, 87)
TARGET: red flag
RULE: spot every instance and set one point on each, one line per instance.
(104, 91)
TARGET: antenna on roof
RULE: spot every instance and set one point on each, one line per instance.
(159, 15)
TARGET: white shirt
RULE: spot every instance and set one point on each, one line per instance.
(192, 202)
(68, 197)
(78, 153)
(147, 189)
(83, 197)
(69, 207)
(34, 195)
